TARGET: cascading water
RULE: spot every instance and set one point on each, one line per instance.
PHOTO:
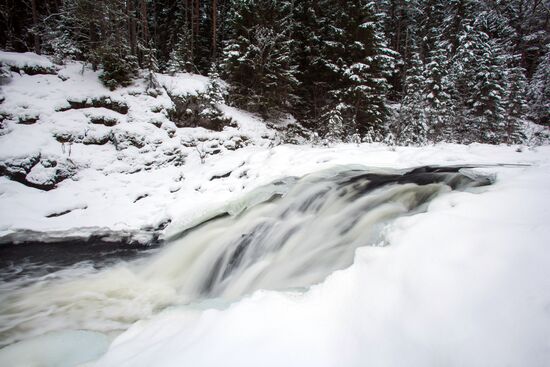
(290, 234)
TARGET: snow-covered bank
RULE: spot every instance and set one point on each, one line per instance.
(135, 203)
(78, 160)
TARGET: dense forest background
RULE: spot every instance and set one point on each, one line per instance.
(399, 71)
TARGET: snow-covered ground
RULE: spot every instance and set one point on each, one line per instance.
(115, 158)
(464, 284)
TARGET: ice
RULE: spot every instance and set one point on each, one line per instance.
(57, 349)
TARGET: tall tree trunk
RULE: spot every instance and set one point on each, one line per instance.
(191, 9)
(196, 16)
(155, 24)
(214, 27)
(144, 25)
(189, 25)
(35, 37)
(132, 41)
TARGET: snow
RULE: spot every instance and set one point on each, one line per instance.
(464, 284)
(110, 157)
(183, 83)
(27, 59)
(58, 349)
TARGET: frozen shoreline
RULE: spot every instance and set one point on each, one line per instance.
(137, 207)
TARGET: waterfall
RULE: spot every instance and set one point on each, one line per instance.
(290, 234)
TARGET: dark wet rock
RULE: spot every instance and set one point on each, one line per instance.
(64, 212)
(104, 120)
(224, 175)
(195, 111)
(97, 102)
(27, 120)
(140, 197)
(33, 70)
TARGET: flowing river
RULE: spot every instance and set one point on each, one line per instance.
(290, 234)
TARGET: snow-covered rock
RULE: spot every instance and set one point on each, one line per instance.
(27, 62)
(65, 132)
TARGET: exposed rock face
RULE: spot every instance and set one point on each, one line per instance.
(195, 111)
(105, 102)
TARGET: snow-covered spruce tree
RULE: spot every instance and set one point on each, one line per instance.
(336, 131)
(479, 73)
(360, 62)
(209, 112)
(516, 106)
(94, 31)
(150, 64)
(439, 107)
(113, 53)
(489, 93)
(258, 59)
(215, 91)
(539, 91)
(59, 36)
(401, 23)
(313, 86)
(529, 18)
(412, 126)
(119, 66)
(181, 56)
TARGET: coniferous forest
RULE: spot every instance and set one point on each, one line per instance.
(406, 72)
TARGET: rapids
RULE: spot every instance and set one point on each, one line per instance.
(290, 234)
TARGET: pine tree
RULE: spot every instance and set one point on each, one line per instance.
(413, 128)
(480, 73)
(437, 93)
(517, 107)
(181, 57)
(214, 91)
(335, 129)
(313, 76)
(113, 53)
(150, 63)
(360, 62)
(539, 91)
(401, 23)
(119, 66)
(58, 36)
(210, 101)
(257, 59)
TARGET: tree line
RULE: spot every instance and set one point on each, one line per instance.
(405, 71)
